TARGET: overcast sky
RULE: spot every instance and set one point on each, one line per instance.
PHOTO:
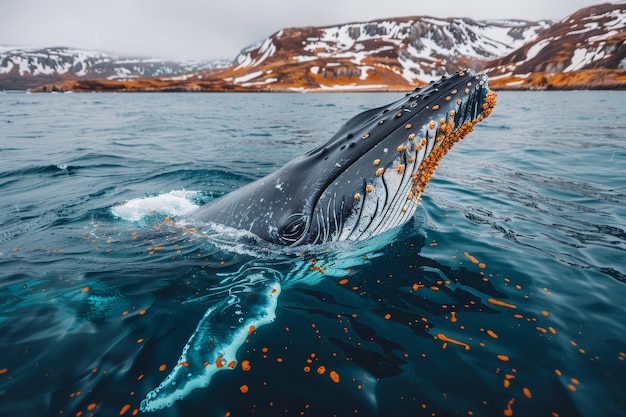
(211, 29)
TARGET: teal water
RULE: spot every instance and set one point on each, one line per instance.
(504, 296)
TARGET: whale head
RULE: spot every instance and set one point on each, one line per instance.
(369, 177)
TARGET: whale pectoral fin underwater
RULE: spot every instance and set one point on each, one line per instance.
(367, 179)
(213, 346)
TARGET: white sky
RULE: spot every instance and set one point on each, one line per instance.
(211, 29)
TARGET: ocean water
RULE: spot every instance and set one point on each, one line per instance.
(505, 295)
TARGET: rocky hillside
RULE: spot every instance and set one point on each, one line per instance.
(23, 68)
(396, 53)
(584, 50)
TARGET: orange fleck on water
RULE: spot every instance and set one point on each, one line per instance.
(3, 371)
(551, 330)
(557, 372)
(307, 369)
(575, 381)
(343, 281)
(453, 316)
(527, 392)
(264, 350)
(244, 388)
(140, 340)
(334, 376)
(142, 312)
(470, 257)
(506, 383)
(251, 330)
(321, 370)
(518, 316)
(140, 377)
(232, 364)
(125, 313)
(86, 289)
(387, 316)
(184, 363)
(163, 367)
(500, 303)
(482, 265)
(492, 334)
(508, 411)
(503, 358)
(545, 313)
(124, 409)
(92, 406)
(445, 338)
(279, 360)
(571, 388)
(218, 362)
(245, 365)
(79, 414)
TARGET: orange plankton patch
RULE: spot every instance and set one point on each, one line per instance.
(501, 303)
(92, 406)
(163, 367)
(124, 409)
(244, 388)
(3, 371)
(321, 370)
(492, 334)
(508, 411)
(245, 365)
(503, 358)
(445, 338)
(86, 289)
(334, 376)
(527, 392)
(219, 362)
(471, 258)
(343, 281)
(251, 330)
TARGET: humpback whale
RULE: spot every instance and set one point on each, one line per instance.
(366, 179)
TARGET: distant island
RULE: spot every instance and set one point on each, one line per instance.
(586, 50)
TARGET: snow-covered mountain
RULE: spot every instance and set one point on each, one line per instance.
(579, 49)
(401, 51)
(584, 50)
(22, 68)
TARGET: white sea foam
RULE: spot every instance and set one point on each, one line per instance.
(173, 203)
